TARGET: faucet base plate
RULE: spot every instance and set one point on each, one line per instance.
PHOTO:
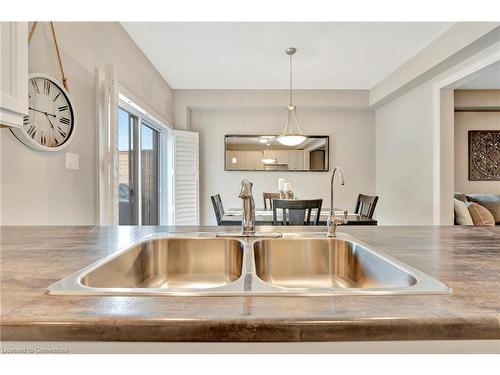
(253, 235)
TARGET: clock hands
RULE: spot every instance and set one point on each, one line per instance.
(63, 134)
(45, 113)
(48, 118)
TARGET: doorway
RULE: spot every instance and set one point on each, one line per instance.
(444, 131)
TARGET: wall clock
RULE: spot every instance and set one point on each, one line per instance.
(50, 124)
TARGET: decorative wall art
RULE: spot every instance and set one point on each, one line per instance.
(484, 155)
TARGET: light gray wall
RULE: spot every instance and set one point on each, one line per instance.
(36, 187)
(187, 100)
(344, 115)
(478, 99)
(414, 150)
(404, 151)
(351, 147)
(465, 121)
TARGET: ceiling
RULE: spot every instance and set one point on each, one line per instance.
(490, 80)
(237, 55)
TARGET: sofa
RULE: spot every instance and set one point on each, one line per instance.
(490, 202)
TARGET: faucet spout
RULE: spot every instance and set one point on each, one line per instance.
(333, 220)
(248, 217)
(331, 185)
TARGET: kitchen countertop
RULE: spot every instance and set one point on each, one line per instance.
(465, 258)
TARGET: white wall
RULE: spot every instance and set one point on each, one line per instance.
(36, 187)
(351, 147)
(187, 100)
(414, 167)
(404, 153)
(465, 121)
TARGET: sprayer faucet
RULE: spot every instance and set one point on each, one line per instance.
(333, 220)
(248, 217)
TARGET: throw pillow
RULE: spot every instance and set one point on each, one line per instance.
(462, 214)
(489, 201)
(460, 197)
(480, 215)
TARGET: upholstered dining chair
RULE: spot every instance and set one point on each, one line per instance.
(218, 208)
(365, 205)
(297, 212)
(269, 197)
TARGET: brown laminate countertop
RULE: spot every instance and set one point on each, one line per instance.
(465, 258)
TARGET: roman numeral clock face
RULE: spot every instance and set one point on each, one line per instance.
(50, 121)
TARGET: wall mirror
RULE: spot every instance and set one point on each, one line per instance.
(265, 153)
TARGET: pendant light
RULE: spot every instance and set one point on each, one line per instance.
(292, 134)
(266, 138)
(267, 157)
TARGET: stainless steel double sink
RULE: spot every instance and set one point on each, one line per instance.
(200, 264)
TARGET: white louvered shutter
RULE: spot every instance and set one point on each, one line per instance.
(107, 137)
(185, 174)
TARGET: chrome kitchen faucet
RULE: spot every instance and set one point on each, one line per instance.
(333, 220)
(248, 214)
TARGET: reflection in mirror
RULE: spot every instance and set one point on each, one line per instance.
(265, 153)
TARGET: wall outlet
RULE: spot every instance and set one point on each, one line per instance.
(72, 161)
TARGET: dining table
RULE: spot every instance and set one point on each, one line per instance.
(233, 216)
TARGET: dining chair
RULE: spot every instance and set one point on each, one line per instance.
(297, 212)
(269, 197)
(365, 205)
(218, 207)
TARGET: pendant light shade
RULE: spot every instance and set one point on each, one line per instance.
(269, 161)
(292, 134)
(267, 156)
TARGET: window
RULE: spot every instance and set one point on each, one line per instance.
(141, 172)
(149, 175)
(126, 121)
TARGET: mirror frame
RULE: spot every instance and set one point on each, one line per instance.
(327, 137)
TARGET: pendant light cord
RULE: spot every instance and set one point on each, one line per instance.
(291, 87)
(290, 137)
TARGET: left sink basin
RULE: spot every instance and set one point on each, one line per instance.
(168, 264)
(174, 263)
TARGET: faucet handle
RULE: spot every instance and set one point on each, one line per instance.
(333, 221)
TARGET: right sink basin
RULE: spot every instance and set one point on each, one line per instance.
(326, 263)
